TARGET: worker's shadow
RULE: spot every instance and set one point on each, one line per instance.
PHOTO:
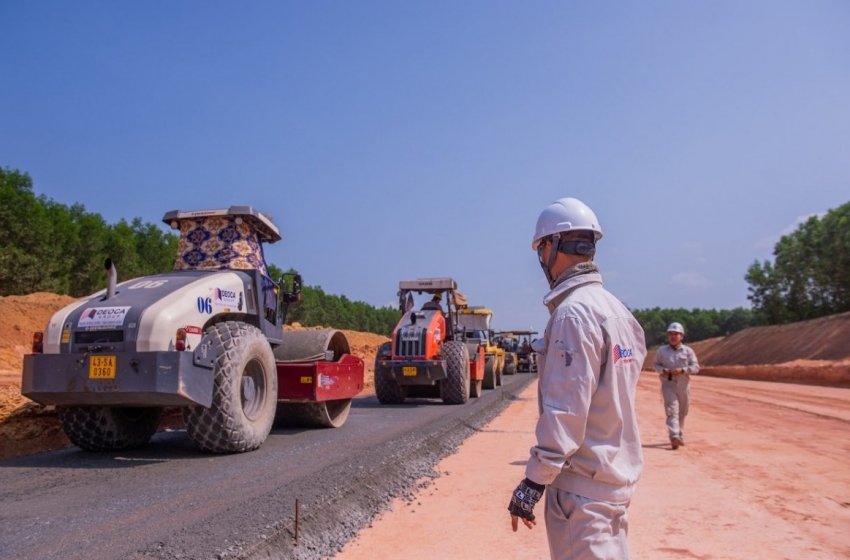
(657, 446)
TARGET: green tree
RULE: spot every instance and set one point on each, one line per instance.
(319, 309)
(27, 246)
(48, 246)
(810, 275)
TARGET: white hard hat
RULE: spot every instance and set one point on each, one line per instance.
(565, 214)
(676, 327)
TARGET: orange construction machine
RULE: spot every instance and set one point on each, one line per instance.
(427, 356)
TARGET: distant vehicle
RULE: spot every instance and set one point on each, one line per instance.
(206, 337)
(476, 324)
(507, 342)
(526, 358)
(428, 356)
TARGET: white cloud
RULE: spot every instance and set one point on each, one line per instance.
(770, 241)
(691, 280)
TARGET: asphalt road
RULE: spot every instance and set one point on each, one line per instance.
(168, 500)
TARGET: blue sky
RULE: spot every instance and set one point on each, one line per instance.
(395, 140)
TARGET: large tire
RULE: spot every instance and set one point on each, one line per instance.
(489, 372)
(325, 414)
(387, 389)
(499, 373)
(101, 428)
(454, 389)
(244, 393)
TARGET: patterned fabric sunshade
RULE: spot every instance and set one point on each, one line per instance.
(216, 242)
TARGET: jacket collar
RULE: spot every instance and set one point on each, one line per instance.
(575, 276)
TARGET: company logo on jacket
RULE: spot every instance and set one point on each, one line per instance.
(624, 354)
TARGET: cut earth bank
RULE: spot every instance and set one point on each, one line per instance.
(763, 474)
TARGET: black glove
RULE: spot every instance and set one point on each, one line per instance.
(526, 495)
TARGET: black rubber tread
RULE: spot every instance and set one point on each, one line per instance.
(489, 372)
(325, 414)
(475, 388)
(387, 389)
(454, 389)
(101, 428)
(226, 426)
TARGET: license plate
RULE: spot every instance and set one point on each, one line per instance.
(102, 367)
(408, 371)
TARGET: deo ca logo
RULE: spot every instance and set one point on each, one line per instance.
(624, 354)
(225, 297)
(102, 317)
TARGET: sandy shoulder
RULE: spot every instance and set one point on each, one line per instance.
(732, 492)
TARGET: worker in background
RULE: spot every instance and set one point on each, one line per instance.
(587, 456)
(434, 303)
(675, 364)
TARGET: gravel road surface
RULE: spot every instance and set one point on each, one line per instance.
(168, 500)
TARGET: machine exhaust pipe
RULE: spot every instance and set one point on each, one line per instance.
(111, 278)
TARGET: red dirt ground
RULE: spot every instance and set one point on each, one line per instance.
(763, 476)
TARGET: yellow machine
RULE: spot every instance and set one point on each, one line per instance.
(508, 342)
(526, 358)
(475, 323)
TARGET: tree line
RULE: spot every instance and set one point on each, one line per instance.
(319, 309)
(46, 246)
(52, 247)
(699, 324)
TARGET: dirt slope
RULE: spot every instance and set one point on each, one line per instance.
(818, 339)
(20, 316)
(27, 427)
(813, 352)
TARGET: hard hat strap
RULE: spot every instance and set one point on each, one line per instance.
(582, 247)
(553, 254)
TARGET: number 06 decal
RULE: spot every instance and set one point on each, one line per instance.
(204, 305)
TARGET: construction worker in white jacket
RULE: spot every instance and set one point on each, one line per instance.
(588, 454)
(675, 364)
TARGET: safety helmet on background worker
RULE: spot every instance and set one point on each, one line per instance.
(437, 297)
(676, 327)
(563, 215)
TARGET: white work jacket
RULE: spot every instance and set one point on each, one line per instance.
(588, 441)
(667, 357)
